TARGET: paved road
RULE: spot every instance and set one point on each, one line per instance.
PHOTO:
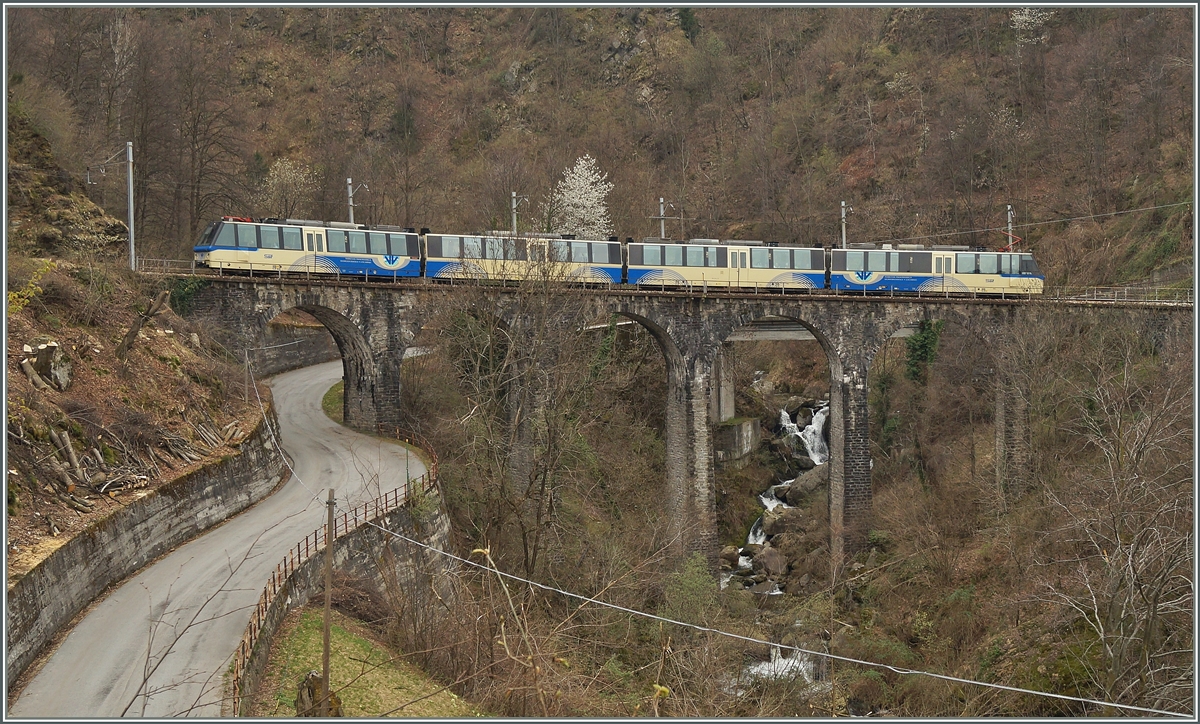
(140, 632)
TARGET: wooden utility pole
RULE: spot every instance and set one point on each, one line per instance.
(325, 700)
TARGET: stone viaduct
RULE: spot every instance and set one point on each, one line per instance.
(373, 324)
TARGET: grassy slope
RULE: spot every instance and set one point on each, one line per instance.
(370, 679)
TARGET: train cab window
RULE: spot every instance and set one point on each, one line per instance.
(1028, 265)
(377, 242)
(673, 255)
(247, 235)
(964, 263)
(856, 261)
(652, 255)
(227, 236)
(760, 258)
(358, 242)
(988, 264)
(695, 256)
(579, 252)
(268, 237)
(292, 239)
(600, 253)
(337, 240)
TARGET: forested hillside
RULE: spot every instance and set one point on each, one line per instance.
(752, 123)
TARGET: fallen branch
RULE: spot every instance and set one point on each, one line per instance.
(160, 303)
(38, 382)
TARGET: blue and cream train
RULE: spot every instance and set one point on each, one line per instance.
(291, 246)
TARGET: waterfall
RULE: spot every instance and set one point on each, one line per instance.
(814, 441)
(757, 536)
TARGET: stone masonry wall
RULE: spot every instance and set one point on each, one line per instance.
(108, 551)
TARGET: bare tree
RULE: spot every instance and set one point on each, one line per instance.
(1127, 520)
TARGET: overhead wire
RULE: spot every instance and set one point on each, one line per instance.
(750, 639)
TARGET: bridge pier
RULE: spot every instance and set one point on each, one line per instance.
(1012, 437)
(722, 405)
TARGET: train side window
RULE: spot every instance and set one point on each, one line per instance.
(377, 242)
(988, 264)
(855, 261)
(937, 265)
(781, 258)
(652, 255)
(718, 256)
(270, 237)
(310, 241)
(964, 263)
(600, 253)
(579, 252)
(1006, 264)
(893, 261)
(337, 240)
(710, 256)
(733, 263)
(451, 247)
(247, 236)
(493, 248)
(695, 256)
(293, 239)
(743, 255)
(614, 253)
(413, 242)
(319, 242)
(760, 258)
(472, 247)
(227, 236)
(560, 251)
(537, 251)
(358, 242)
(876, 261)
(673, 255)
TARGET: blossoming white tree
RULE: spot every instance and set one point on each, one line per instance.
(288, 188)
(578, 204)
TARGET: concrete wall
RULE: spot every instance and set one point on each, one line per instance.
(109, 550)
(367, 554)
(735, 439)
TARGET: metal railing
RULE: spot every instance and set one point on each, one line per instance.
(1180, 295)
(314, 543)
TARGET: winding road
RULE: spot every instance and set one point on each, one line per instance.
(160, 644)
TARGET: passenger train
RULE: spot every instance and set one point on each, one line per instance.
(279, 246)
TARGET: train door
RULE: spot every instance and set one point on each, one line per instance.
(738, 260)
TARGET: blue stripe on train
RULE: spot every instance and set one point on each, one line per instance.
(885, 282)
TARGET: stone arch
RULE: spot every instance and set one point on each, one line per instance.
(360, 368)
(682, 506)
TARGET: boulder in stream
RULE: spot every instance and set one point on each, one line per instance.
(729, 554)
(805, 483)
(771, 562)
(783, 520)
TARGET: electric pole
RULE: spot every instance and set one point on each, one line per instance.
(350, 195)
(844, 210)
(325, 697)
(516, 200)
(129, 184)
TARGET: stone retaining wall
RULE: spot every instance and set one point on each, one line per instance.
(109, 550)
